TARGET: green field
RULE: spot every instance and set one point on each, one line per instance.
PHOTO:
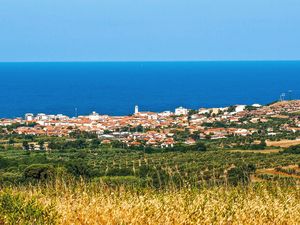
(108, 162)
(118, 186)
(115, 186)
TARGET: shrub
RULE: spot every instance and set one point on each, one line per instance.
(241, 174)
(201, 147)
(39, 172)
(120, 172)
(9, 177)
(292, 150)
(81, 155)
(261, 146)
(4, 163)
(15, 209)
(156, 176)
(79, 168)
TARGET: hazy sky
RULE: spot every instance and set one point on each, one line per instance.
(143, 30)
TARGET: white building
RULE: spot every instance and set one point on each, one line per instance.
(61, 117)
(165, 114)
(240, 108)
(257, 105)
(29, 117)
(42, 116)
(218, 110)
(94, 116)
(152, 116)
(203, 111)
(136, 109)
(181, 111)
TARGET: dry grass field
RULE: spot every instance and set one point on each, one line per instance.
(283, 143)
(70, 200)
(262, 203)
(266, 151)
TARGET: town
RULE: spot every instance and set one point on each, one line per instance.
(166, 129)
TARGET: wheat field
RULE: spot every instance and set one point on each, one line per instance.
(97, 204)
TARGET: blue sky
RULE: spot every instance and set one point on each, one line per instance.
(149, 30)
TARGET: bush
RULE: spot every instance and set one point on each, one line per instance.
(120, 172)
(4, 163)
(15, 209)
(261, 146)
(201, 147)
(39, 172)
(79, 168)
(156, 177)
(241, 174)
(81, 155)
(292, 150)
(10, 177)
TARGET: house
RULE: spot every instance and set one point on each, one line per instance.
(181, 111)
(190, 141)
(240, 108)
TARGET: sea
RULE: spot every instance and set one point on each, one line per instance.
(114, 88)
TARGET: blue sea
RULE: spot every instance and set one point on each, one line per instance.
(114, 88)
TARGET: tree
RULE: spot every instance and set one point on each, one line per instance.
(95, 143)
(52, 145)
(39, 172)
(117, 144)
(31, 146)
(192, 112)
(139, 128)
(83, 134)
(107, 132)
(195, 135)
(263, 144)
(79, 168)
(4, 163)
(292, 150)
(120, 172)
(25, 145)
(231, 109)
(11, 141)
(208, 137)
(241, 174)
(41, 144)
(199, 146)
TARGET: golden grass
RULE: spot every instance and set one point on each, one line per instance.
(283, 143)
(266, 151)
(97, 204)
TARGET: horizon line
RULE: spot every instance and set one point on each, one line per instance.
(156, 61)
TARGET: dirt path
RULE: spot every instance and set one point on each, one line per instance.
(272, 171)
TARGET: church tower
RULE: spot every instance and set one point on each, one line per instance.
(136, 109)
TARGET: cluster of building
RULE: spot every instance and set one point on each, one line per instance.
(155, 129)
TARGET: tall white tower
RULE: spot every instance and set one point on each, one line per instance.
(136, 109)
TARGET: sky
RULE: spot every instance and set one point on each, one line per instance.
(149, 30)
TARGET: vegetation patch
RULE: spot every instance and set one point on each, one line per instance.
(39, 172)
(292, 150)
(16, 209)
